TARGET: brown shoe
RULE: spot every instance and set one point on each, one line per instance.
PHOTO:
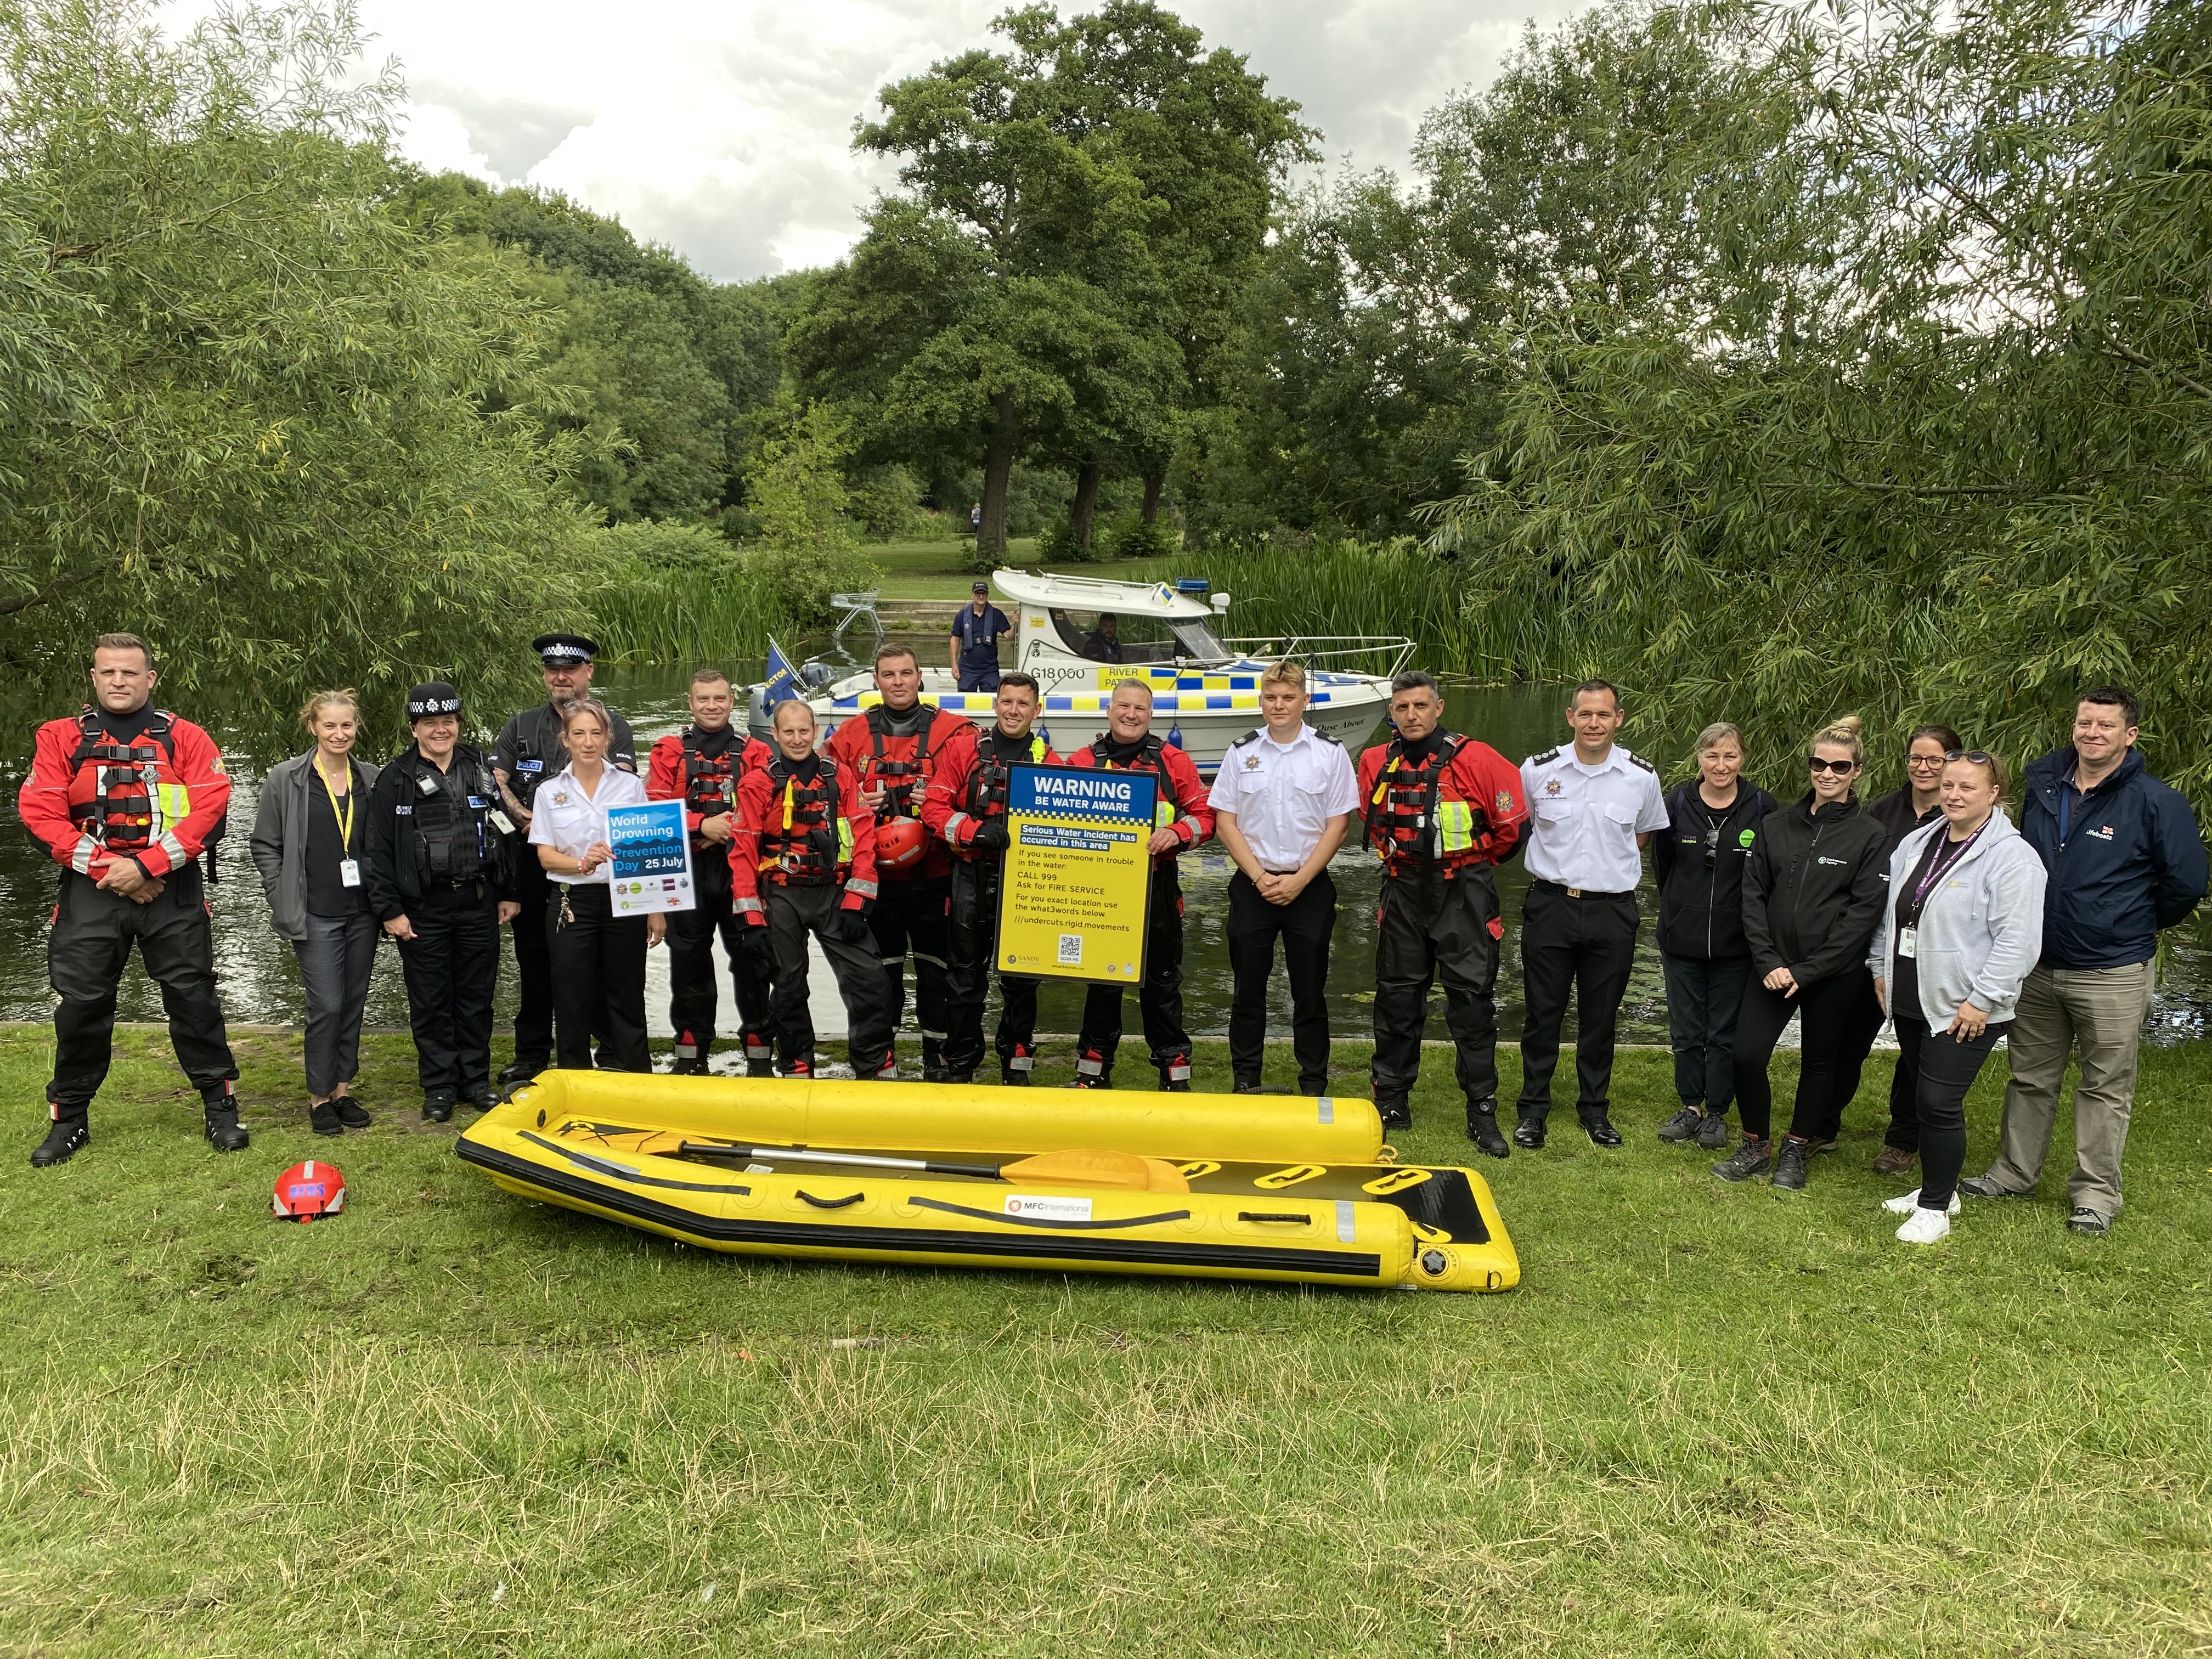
(1894, 1160)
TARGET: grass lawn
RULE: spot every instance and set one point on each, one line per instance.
(1713, 1421)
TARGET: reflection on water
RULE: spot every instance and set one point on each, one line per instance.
(261, 985)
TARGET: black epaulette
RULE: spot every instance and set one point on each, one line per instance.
(1544, 759)
(1253, 735)
(1639, 760)
(1322, 735)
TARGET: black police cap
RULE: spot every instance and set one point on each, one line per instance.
(433, 697)
(564, 650)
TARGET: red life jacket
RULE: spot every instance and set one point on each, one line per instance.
(1414, 819)
(902, 780)
(990, 778)
(1166, 810)
(710, 786)
(125, 795)
(807, 839)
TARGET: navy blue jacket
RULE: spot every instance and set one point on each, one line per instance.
(2131, 862)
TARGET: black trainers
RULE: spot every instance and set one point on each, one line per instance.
(349, 1112)
(1752, 1156)
(437, 1108)
(1482, 1128)
(324, 1118)
(1790, 1165)
(1712, 1131)
(1684, 1125)
(224, 1131)
(66, 1139)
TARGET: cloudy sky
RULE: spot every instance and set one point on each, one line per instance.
(722, 128)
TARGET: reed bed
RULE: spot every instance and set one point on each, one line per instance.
(663, 615)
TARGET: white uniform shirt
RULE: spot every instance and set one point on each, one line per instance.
(1283, 795)
(565, 819)
(1583, 820)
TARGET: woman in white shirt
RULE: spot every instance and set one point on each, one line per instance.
(598, 957)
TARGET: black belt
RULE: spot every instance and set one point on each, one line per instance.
(1578, 892)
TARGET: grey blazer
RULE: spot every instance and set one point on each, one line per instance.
(280, 837)
(1982, 929)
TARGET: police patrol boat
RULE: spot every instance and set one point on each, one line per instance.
(1081, 636)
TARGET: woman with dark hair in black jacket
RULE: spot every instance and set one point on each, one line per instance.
(1712, 824)
(1811, 896)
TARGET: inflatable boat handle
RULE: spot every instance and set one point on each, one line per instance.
(1270, 1215)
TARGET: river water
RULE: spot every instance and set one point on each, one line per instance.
(261, 984)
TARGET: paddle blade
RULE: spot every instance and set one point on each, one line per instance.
(1095, 1167)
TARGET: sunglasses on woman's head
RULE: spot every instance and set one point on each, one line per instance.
(1844, 767)
(1974, 756)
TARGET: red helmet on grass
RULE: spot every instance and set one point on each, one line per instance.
(309, 1190)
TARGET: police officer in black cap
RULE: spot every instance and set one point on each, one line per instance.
(440, 877)
(529, 751)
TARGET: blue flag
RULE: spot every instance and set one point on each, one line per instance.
(782, 677)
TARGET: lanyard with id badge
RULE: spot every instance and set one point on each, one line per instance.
(349, 866)
(1947, 858)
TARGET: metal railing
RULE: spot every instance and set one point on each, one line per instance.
(1340, 652)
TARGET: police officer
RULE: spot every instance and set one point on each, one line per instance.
(1595, 806)
(702, 766)
(976, 634)
(803, 864)
(1181, 820)
(1282, 802)
(440, 877)
(892, 749)
(124, 797)
(1443, 811)
(966, 806)
(530, 750)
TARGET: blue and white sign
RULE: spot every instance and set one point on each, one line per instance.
(1066, 792)
(651, 872)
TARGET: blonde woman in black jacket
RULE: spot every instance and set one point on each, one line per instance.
(1812, 897)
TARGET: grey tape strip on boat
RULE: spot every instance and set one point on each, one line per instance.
(1346, 1230)
(1328, 1110)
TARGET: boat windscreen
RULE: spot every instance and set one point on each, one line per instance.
(1196, 642)
(1108, 637)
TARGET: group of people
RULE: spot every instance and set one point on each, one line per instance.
(1929, 908)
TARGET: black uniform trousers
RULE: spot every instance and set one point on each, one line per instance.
(1584, 946)
(794, 914)
(1159, 994)
(911, 914)
(598, 959)
(1428, 928)
(691, 994)
(1904, 1130)
(533, 964)
(974, 933)
(451, 968)
(93, 932)
(1304, 925)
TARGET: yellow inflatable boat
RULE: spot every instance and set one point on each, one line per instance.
(1228, 1187)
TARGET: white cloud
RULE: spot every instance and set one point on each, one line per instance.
(723, 131)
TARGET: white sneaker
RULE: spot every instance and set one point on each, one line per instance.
(1910, 1202)
(1925, 1227)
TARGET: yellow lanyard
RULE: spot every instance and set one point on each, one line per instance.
(344, 818)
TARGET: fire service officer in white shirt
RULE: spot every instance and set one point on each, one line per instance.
(1282, 801)
(1592, 808)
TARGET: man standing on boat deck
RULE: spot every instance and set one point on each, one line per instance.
(975, 633)
(1443, 811)
(1597, 806)
(893, 749)
(1182, 819)
(1282, 801)
(530, 749)
(966, 806)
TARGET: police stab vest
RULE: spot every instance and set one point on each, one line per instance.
(454, 841)
(807, 840)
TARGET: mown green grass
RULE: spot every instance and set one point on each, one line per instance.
(1713, 1421)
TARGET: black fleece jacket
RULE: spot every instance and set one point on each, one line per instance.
(1701, 910)
(1814, 888)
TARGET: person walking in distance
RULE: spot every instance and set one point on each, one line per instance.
(1181, 820)
(803, 865)
(123, 796)
(1593, 806)
(311, 845)
(891, 750)
(1962, 922)
(1442, 812)
(702, 766)
(2125, 861)
(1282, 801)
(966, 806)
(530, 750)
(976, 632)
(440, 877)
(1712, 824)
(1812, 898)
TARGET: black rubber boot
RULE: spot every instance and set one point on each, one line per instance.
(1396, 1111)
(1175, 1073)
(224, 1131)
(1014, 1070)
(66, 1138)
(1482, 1128)
(1091, 1070)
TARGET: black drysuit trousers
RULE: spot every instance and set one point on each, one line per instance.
(692, 1000)
(795, 914)
(1428, 928)
(974, 941)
